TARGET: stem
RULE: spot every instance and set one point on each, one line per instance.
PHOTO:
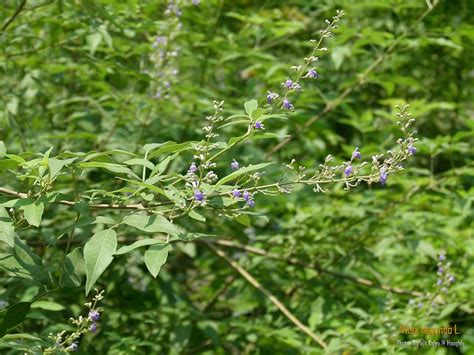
(17, 12)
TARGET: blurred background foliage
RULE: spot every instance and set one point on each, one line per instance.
(72, 78)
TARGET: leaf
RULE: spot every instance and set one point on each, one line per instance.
(93, 41)
(170, 147)
(151, 224)
(242, 171)
(106, 36)
(7, 230)
(20, 261)
(244, 220)
(197, 216)
(98, 254)
(14, 316)
(250, 106)
(141, 162)
(33, 213)
(74, 268)
(55, 166)
(155, 258)
(115, 168)
(48, 305)
(139, 243)
(338, 54)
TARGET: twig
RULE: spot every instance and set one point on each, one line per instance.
(294, 261)
(17, 12)
(136, 206)
(267, 293)
(330, 106)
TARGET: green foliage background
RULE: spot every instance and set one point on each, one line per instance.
(71, 79)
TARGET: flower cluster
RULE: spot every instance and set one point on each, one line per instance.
(201, 174)
(304, 71)
(165, 49)
(83, 325)
(440, 289)
(445, 279)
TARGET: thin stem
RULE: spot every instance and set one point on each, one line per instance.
(330, 106)
(247, 276)
(11, 19)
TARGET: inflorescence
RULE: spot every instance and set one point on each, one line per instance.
(70, 343)
(200, 178)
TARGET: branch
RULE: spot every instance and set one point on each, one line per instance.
(17, 12)
(136, 206)
(298, 262)
(330, 106)
(267, 293)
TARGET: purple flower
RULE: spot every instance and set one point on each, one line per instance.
(287, 104)
(234, 165)
(420, 305)
(271, 96)
(411, 149)
(442, 257)
(356, 154)
(348, 170)
(259, 125)
(288, 84)
(246, 196)
(451, 279)
(236, 193)
(251, 203)
(192, 168)
(198, 196)
(73, 347)
(440, 270)
(160, 40)
(94, 316)
(312, 73)
(439, 282)
(93, 327)
(383, 176)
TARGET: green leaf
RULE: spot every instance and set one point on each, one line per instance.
(242, 171)
(155, 258)
(197, 216)
(250, 106)
(14, 316)
(151, 224)
(7, 230)
(20, 261)
(141, 162)
(48, 305)
(98, 254)
(74, 269)
(93, 41)
(338, 54)
(115, 168)
(139, 243)
(106, 36)
(33, 213)
(244, 220)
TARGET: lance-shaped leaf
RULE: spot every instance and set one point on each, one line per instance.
(98, 254)
(33, 212)
(155, 257)
(242, 171)
(151, 224)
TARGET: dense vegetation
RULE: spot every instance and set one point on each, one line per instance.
(315, 213)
